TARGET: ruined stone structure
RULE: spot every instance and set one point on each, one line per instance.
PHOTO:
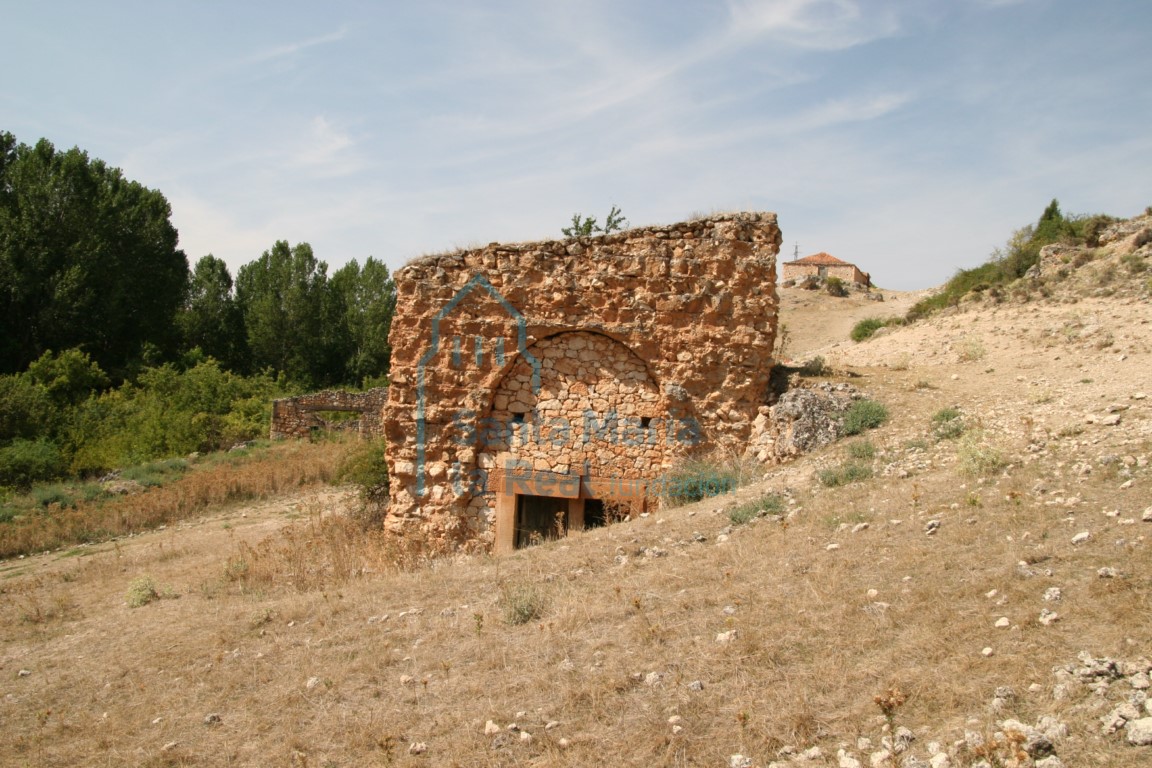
(824, 265)
(300, 416)
(538, 387)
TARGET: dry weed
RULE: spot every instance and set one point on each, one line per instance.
(283, 468)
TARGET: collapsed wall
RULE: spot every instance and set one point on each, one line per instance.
(299, 417)
(534, 383)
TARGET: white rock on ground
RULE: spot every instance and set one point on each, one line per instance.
(1139, 732)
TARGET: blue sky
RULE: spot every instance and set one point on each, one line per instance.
(910, 137)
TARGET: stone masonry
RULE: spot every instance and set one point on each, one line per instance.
(563, 372)
(297, 417)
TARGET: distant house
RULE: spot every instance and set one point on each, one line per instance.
(825, 265)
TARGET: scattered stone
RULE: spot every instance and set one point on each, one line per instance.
(1139, 732)
(1003, 622)
(563, 743)
(1119, 717)
(1147, 516)
(987, 652)
(653, 678)
(1047, 617)
(832, 547)
(859, 527)
(1108, 572)
(1052, 594)
(417, 748)
(739, 761)
(212, 718)
(726, 637)
(170, 746)
(1081, 537)
(846, 760)
(696, 685)
(525, 737)
(877, 759)
(491, 729)
(313, 682)
(931, 527)
(24, 673)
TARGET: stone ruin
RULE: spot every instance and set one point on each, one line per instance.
(542, 387)
(301, 417)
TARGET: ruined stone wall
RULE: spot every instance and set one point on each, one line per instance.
(603, 358)
(297, 417)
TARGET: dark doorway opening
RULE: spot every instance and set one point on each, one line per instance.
(594, 514)
(540, 518)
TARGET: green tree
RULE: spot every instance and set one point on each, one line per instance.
(211, 319)
(369, 301)
(69, 377)
(88, 260)
(282, 297)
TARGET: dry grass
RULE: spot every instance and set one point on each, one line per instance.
(317, 643)
(283, 467)
(325, 645)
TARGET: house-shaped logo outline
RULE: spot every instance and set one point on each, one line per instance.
(477, 281)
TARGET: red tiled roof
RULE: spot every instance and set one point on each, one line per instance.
(821, 259)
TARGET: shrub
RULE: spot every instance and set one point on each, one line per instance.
(56, 493)
(141, 592)
(815, 367)
(844, 474)
(698, 479)
(971, 350)
(366, 466)
(866, 327)
(25, 462)
(1133, 263)
(863, 450)
(156, 473)
(835, 287)
(522, 603)
(863, 415)
(947, 424)
(768, 505)
(978, 458)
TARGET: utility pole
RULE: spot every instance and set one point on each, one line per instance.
(795, 251)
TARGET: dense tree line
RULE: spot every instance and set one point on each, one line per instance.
(89, 261)
(112, 349)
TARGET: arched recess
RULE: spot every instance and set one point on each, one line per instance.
(598, 428)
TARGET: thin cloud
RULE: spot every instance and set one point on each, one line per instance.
(326, 148)
(291, 49)
(814, 24)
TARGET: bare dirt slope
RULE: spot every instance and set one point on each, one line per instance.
(814, 320)
(991, 570)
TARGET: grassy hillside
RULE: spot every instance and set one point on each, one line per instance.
(280, 633)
